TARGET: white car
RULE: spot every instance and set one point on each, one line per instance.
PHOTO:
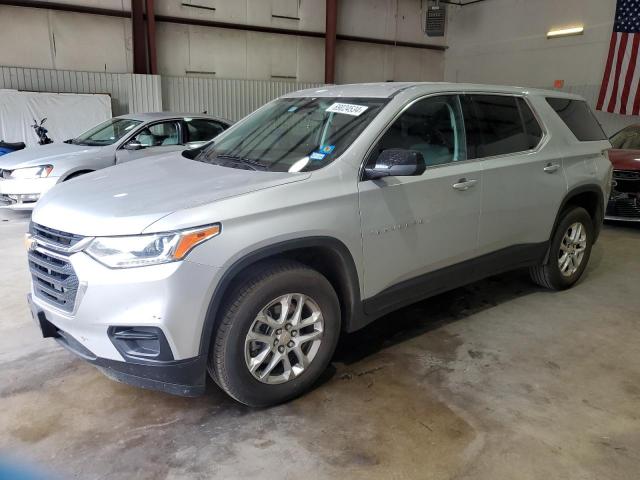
(27, 174)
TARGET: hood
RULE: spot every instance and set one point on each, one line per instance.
(125, 199)
(44, 154)
(625, 159)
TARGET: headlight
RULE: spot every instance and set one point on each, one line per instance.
(142, 250)
(40, 171)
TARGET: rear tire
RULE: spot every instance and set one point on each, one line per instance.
(569, 251)
(278, 332)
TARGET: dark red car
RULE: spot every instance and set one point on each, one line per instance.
(624, 203)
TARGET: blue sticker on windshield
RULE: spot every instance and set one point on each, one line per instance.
(292, 109)
(327, 149)
(317, 156)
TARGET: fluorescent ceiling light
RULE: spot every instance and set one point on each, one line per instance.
(564, 32)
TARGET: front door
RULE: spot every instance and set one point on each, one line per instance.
(415, 225)
(154, 139)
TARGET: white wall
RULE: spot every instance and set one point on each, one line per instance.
(61, 40)
(504, 42)
(65, 41)
(251, 55)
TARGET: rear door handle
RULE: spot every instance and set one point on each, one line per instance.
(551, 168)
(464, 184)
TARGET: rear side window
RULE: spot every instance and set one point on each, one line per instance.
(202, 130)
(531, 125)
(494, 126)
(577, 115)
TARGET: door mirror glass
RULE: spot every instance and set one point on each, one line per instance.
(397, 162)
(134, 145)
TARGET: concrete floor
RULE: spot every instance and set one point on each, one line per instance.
(499, 380)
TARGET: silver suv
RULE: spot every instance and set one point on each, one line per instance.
(315, 215)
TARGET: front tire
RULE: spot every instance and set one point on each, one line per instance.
(279, 330)
(569, 251)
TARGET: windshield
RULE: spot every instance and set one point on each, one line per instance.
(106, 133)
(293, 134)
(627, 139)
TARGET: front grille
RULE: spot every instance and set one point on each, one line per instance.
(626, 181)
(623, 206)
(54, 280)
(626, 174)
(6, 200)
(54, 238)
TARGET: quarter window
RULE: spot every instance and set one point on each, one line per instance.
(432, 126)
(577, 115)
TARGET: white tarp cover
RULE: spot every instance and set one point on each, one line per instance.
(68, 114)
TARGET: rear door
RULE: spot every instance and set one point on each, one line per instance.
(415, 225)
(523, 181)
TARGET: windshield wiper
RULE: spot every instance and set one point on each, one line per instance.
(249, 162)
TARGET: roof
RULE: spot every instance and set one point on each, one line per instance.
(390, 89)
(151, 116)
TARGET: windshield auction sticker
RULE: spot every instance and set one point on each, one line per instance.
(347, 109)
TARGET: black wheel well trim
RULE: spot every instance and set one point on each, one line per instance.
(347, 287)
(591, 188)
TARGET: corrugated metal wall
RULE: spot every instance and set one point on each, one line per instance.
(231, 99)
(144, 93)
(66, 81)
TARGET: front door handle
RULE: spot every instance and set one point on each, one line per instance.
(551, 168)
(464, 184)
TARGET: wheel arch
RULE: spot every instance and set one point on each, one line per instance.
(591, 198)
(327, 255)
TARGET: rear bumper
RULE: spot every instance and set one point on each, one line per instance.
(185, 377)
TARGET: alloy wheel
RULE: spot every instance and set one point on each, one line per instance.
(572, 249)
(284, 338)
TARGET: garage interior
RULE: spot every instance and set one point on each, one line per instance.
(500, 379)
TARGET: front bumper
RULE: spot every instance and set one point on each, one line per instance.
(22, 194)
(167, 303)
(624, 202)
(182, 377)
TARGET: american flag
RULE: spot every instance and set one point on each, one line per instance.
(619, 92)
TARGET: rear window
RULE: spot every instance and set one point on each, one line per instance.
(577, 115)
(494, 126)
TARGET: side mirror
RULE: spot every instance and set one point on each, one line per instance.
(396, 162)
(133, 145)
